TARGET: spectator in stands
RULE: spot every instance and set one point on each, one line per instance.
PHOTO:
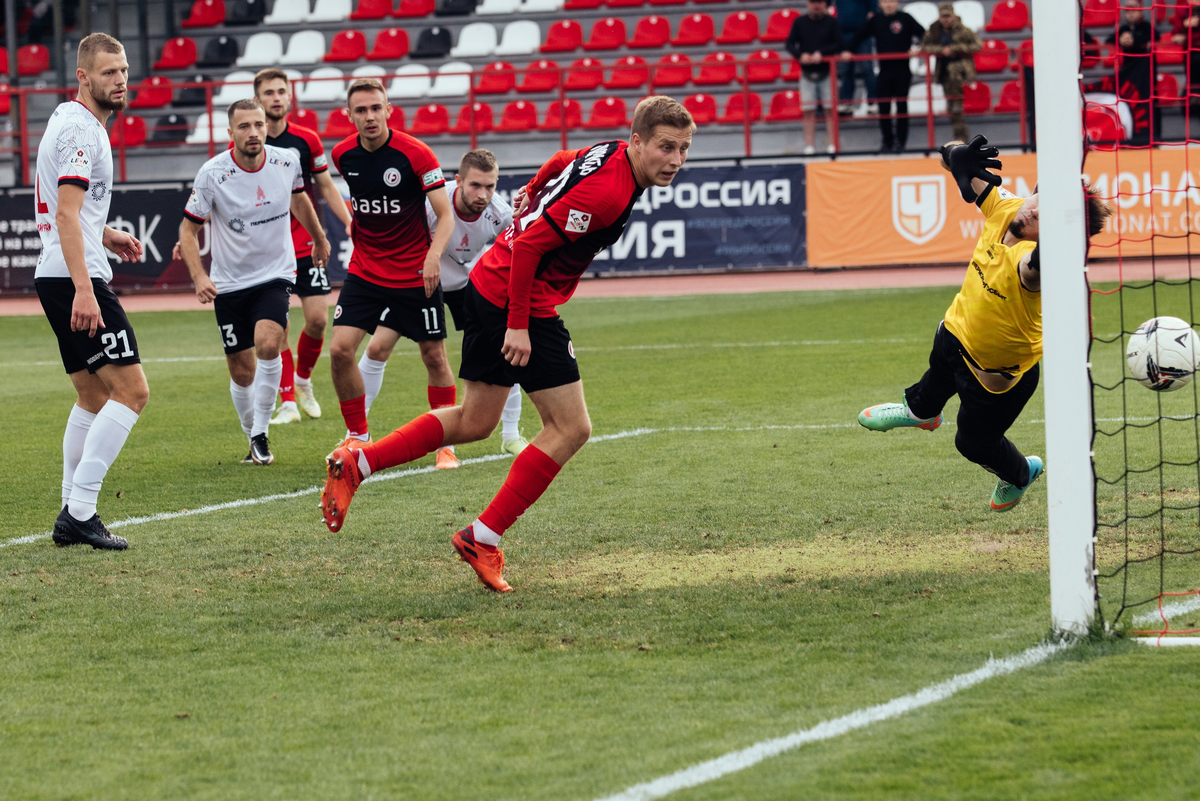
(894, 31)
(955, 45)
(1185, 30)
(1133, 40)
(814, 37)
(853, 16)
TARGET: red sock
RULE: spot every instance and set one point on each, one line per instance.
(286, 392)
(528, 478)
(354, 412)
(308, 350)
(409, 442)
(440, 397)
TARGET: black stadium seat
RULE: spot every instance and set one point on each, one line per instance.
(454, 8)
(192, 96)
(219, 52)
(246, 12)
(171, 128)
(432, 43)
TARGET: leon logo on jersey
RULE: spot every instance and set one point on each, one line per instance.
(578, 221)
(918, 206)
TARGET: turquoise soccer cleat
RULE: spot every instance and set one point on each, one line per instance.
(887, 416)
(1006, 495)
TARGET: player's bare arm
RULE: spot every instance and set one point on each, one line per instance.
(85, 311)
(302, 210)
(432, 271)
(329, 191)
(189, 246)
(125, 245)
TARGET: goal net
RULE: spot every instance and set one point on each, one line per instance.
(1141, 154)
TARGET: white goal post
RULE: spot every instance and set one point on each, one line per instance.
(1067, 385)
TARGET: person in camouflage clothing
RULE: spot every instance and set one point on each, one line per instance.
(955, 45)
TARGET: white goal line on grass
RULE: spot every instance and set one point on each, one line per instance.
(734, 761)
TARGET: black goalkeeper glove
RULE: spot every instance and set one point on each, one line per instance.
(969, 161)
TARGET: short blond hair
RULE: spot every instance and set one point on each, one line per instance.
(95, 43)
(365, 85)
(270, 74)
(660, 110)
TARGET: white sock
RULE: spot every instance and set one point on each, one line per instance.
(103, 444)
(372, 375)
(78, 423)
(266, 384)
(302, 382)
(912, 416)
(511, 416)
(484, 534)
(243, 404)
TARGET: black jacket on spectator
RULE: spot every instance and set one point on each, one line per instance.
(894, 34)
(810, 35)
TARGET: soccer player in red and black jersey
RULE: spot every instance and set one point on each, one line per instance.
(394, 285)
(575, 207)
(273, 90)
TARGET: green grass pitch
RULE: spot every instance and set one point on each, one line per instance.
(750, 563)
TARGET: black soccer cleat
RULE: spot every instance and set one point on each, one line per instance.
(88, 532)
(60, 534)
(249, 458)
(260, 450)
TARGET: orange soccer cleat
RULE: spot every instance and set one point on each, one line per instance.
(446, 460)
(342, 478)
(486, 564)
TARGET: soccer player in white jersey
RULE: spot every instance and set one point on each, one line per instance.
(248, 194)
(479, 216)
(98, 348)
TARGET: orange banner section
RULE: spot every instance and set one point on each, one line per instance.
(910, 212)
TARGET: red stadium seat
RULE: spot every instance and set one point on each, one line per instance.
(994, 57)
(703, 108)
(582, 5)
(1101, 13)
(629, 72)
(585, 75)
(709, 1)
(779, 25)
(1167, 53)
(32, 59)
(977, 97)
(672, 70)
(735, 109)
(563, 37)
(1102, 125)
(372, 9)
(153, 92)
(1024, 55)
(1090, 54)
(1010, 15)
(205, 14)
(542, 75)
(555, 113)
(717, 69)
(520, 115)
(651, 31)
(3, 60)
(1166, 10)
(1010, 98)
(133, 128)
(497, 78)
(5, 99)
(740, 27)
(785, 107)
(667, 2)
(791, 70)
(305, 118)
(177, 54)
(1166, 89)
(624, 3)
(763, 66)
(482, 115)
(608, 112)
(347, 46)
(430, 120)
(396, 119)
(391, 44)
(338, 125)
(607, 34)
(695, 30)
(409, 9)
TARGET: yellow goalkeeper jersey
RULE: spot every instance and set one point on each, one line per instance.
(998, 321)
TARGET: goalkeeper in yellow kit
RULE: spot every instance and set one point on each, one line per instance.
(987, 348)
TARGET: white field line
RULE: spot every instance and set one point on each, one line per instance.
(1169, 610)
(747, 757)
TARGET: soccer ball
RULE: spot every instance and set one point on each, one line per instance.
(1163, 354)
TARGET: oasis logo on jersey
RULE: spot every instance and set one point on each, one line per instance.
(918, 206)
(99, 190)
(376, 205)
(391, 176)
(237, 226)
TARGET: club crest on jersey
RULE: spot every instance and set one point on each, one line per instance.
(99, 190)
(237, 226)
(918, 206)
(578, 221)
(391, 176)
(432, 177)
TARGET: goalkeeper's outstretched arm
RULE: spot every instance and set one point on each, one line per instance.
(969, 163)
